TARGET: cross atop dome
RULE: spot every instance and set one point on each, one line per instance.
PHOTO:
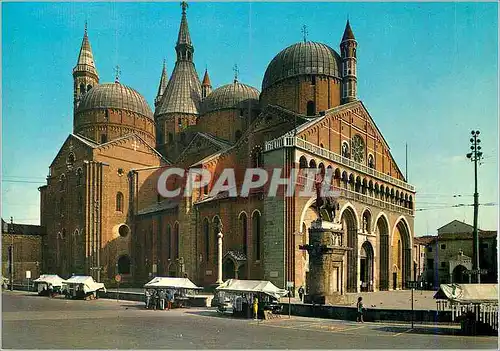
(236, 71)
(117, 74)
(184, 6)
(304, 32)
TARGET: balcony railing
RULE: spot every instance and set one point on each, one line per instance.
(290, 141)
(364, 198)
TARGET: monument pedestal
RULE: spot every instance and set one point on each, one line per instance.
(326, 259)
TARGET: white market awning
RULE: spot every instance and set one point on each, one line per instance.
(53, 279)
(172, 283)
(468, 293)
(89, 285)
(252, 286)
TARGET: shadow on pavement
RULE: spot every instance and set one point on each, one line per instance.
(136, 306)
(214, 313)
(430, 330)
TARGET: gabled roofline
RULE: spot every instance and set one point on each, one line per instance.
(86, 142)
(455, 220)
(136, 135)
(216, 141)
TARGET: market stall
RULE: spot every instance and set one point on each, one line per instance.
(177, 291)
(474, 305)
(82, 286)
(49, 284)
(237, 297)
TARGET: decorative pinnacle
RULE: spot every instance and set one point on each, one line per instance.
(236, 71)
(184, 6)
(117, 74)
(304, 32)
(164, 63)
(85, 28)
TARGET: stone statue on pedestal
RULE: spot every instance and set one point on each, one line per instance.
(327, 203)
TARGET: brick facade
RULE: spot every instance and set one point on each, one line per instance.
(26, 243)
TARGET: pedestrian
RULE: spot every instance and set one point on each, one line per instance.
(169, 299)
(51, 290)
(360, 310)
(155, 299)
(255, 307)
(147, 295)
(162, 299)
(301, 293)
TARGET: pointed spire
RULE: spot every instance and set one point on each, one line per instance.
(85, 57)
(348, 34)
(184, 37)
(206, 80)
(163, 83)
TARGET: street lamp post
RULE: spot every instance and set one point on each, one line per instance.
(475, 155)
(11, 258)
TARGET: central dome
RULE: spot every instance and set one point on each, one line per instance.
(302, 59)
(115, 95)
(235, 95)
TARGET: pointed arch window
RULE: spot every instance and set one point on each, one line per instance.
(238, 135)
(169, 242)
(311, 108)
(256, 233)
(82, 89)
(257, 158)
(62, 183)
(62, 205)
(345, 149)
(206, 238)
(89, 87)
(80, 203)
(79, 177)
(119, 202)
(371, 162)
(244, 233)
(176, 240)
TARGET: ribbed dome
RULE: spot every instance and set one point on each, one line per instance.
(234, 95)
(301, 59)
(115, 95)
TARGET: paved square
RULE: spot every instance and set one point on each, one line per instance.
(29, 321)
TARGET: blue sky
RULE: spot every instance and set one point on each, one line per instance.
(428, 74)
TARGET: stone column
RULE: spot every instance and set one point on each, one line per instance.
(219, 258)
(326, 257)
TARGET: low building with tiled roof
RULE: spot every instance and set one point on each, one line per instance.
(22, 251)
(448, 254)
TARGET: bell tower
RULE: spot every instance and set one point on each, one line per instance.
(348, 47)
(84, 73)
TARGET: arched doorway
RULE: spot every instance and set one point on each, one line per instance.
(350, 227)
(366, 266)
(383, 266)
(242, 272)
(172, 270)
(228, 269)
(402, 251)
(459, 275)
(123, 265)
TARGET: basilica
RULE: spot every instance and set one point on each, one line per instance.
(104, 215)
